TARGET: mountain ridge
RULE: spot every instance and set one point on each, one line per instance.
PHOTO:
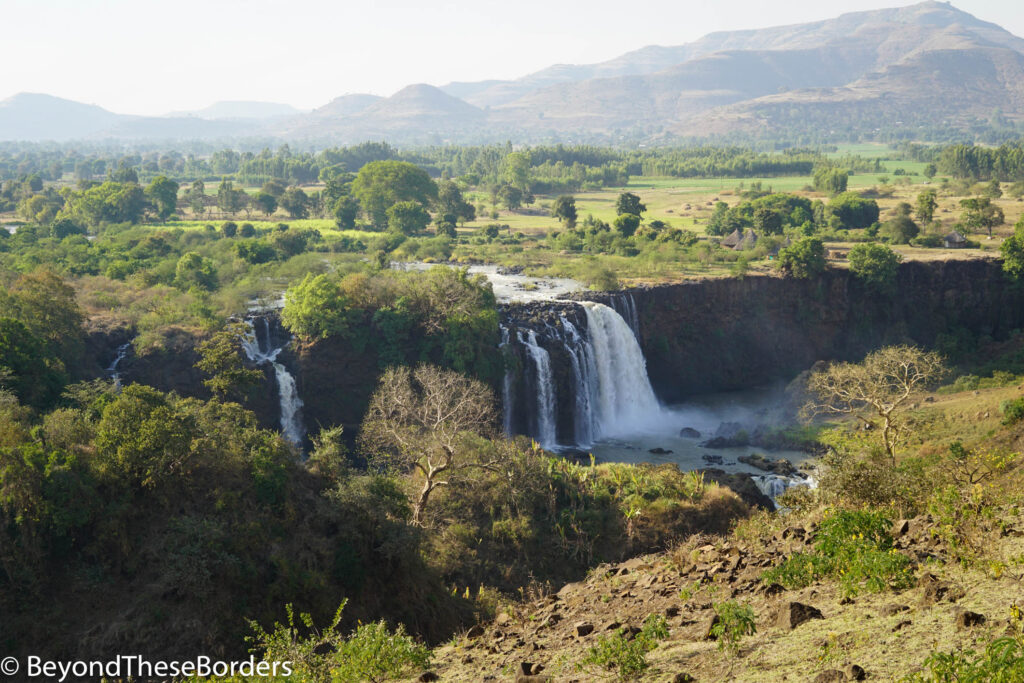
(858, 72)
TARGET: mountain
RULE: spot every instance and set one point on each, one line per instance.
(924, 66)
(767, 79)
(238, 109)
(417, 113)
(31, 116)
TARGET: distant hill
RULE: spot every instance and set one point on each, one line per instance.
(927, 66)
(237, 109)
(30, 116)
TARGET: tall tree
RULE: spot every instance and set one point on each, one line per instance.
(926, 205)
(418, 420)
(629, 203)
(163, 192)
(564, 209)
(878, 390)
(381, 184)
(981, 214)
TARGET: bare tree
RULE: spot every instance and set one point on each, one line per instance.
(875, 390)
(417, 419)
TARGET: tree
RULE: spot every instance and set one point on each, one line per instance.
(196, 196)
(266, 202)
(993, 190)
(1012, 250)
(517, 171)
(900, 229)
(981, 214)
(194, 270)
(417, 421)
(316, 308)
(804, 259)
(230, 200)
(629, 203)
(407, 218)
(295, 202)
(876, 265)
(930, 170)
(110, 202)
(345, 209)
(25, 368)
(510, 195)
(47, 306)
(830, 180)
(853, 211)
(220, 358)
(164, 195)
(450, 202)
(564, 209)
(926, 205)
(767, 221)
(626, 224)
(229, 229)
(381, 184)
(876, 389)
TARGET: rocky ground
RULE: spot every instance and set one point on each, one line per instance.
(813, 634)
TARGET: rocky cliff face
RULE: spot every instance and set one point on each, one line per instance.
(719, 335)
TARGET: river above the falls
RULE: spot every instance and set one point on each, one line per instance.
(510, 287)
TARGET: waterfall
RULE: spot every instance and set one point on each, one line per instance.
(603, 389)
(584, 371)
(774, 485)
(625, 399)
(544, 420)
(625, 306)
(507, 395)
(260, 350)
(114, 373)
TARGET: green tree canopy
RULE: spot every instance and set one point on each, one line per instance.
(381, 184)
(629, 203)
(876, 265)
(163, 192)
(804, 258)
(564, 209)
(407, 218)
(853, 211)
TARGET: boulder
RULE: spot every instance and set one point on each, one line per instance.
(475, 632)
(968, 619)
(893, 609)
(583, 629)
(659, 451)
(792, 614)
(428, 676)
(689, 433)
(855, 673)
(683, 678)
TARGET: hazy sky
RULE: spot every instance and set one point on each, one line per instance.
(154, 56)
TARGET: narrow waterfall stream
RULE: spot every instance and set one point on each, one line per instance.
(112, 371)
(259, 348)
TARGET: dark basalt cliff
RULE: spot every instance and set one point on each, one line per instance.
(716, 335)
(710, 335)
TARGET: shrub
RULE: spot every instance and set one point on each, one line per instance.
(734, 622)
(628, 657)
(854, 546)
(1013, 410)
(372, 652)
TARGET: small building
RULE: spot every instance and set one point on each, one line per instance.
(733, 239)
(748, 242)
(954, 240)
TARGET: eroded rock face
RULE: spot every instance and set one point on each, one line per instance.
(726, 334)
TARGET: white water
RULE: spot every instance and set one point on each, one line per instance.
(509, 287)
(545, 389)
(114, 373)
(291, 404)
(624, 401)
(506, 385)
